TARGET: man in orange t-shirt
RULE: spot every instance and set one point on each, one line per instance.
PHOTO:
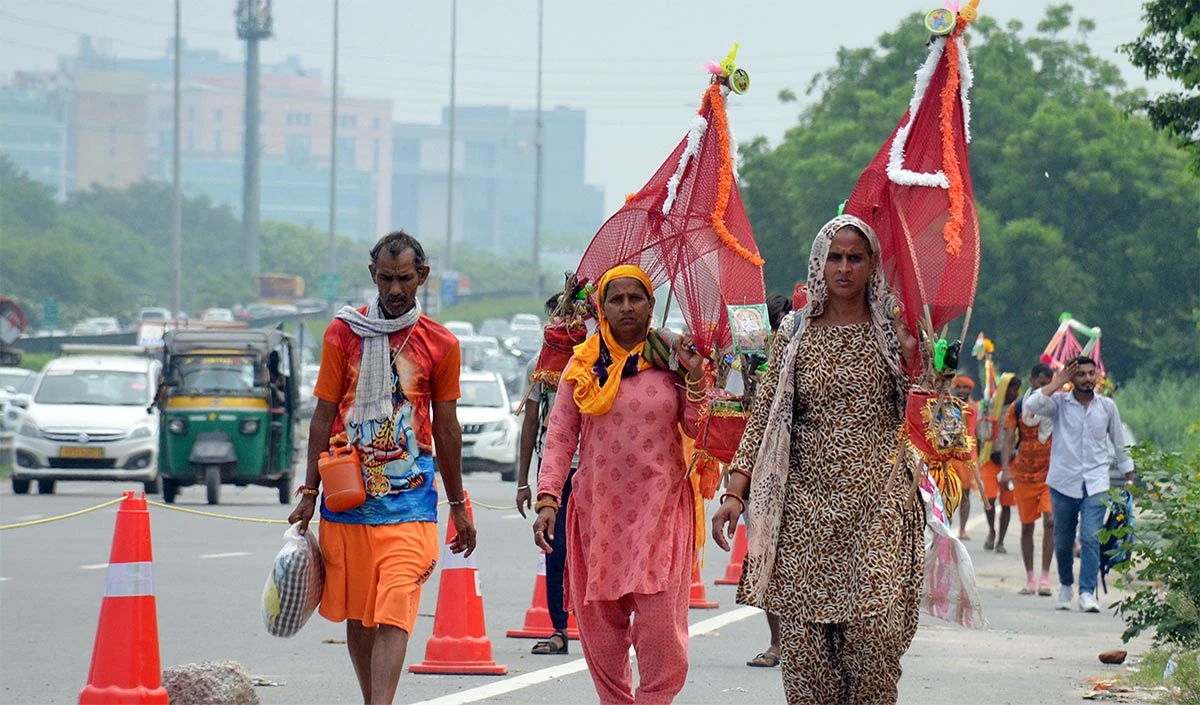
(1030, 436)
(388, 387)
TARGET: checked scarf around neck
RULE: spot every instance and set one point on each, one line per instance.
(599, 362)
(373, 397)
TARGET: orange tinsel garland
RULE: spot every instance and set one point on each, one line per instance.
(952, 232)
(713, 98)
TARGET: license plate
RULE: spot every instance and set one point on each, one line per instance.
(80, 452)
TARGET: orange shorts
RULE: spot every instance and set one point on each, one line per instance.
(1033, 500)
(966, 475)
(374, 573)
(991, 485)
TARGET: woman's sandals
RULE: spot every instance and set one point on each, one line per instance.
(556, 645)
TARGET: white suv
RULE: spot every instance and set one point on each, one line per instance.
(91, 417)
(489, 429)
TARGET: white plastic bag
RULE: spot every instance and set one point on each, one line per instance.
(294, 585)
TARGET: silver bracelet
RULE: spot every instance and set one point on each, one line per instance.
(523, 487)
(456, 502)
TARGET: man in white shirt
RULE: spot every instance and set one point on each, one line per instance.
(1085, 424)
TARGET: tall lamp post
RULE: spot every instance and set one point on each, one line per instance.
(176, 195)
(537, 186)
(448, 266)
(253, 24)
(333, 131)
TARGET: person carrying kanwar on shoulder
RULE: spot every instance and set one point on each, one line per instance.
(997, 490)
(834, 548)
(1088, 438)
(388, 386)
(1025, 442)
(962, 388)
(536, 418)
(631, 522)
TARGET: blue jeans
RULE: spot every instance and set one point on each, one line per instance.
(1068, 512)
(556, 562)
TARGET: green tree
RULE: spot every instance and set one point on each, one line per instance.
(1169, 46)
(1083, 207)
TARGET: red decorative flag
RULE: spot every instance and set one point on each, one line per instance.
(687, 227)
(917, 192)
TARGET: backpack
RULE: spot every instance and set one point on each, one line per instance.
(1115, 549)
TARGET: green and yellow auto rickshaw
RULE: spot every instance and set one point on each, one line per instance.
(229, 409)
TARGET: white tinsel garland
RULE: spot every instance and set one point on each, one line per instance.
(695, 135)
(895, 168)
(968, 79)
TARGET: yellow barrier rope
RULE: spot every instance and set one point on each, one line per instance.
(214, 515)
(47, 520)
(197, 512)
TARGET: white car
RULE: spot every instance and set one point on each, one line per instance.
(222, 315)
(90, 417)
(489, 429)
(460, 329)
(154, 313)
(525, 321)
(15, 385)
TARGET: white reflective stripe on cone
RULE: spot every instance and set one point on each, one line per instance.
(541, 563)
(451, 559)
(129, 580)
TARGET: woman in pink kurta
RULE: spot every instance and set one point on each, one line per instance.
(630, 520)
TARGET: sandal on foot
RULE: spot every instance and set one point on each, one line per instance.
(1029, 589)
(989, 544)
(1000, 548)
(764, 660)
(551, 647)
(1044, 590)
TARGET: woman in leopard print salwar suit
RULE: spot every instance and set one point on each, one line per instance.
(833, 551)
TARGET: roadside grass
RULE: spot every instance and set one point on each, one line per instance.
(1183, 685)
(36, 361)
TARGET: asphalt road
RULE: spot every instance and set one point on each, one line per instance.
(209, 575)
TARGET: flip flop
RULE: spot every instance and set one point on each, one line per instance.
(1029, 589)
(1000, 548)
(1044, 590)
(989, 544)
(764, 660)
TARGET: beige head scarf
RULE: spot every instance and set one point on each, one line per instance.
(770, 453)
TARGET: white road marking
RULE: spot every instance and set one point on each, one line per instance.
(512, 516)
(94, 566)
(232, 554)
(2, 580)
(526, 680)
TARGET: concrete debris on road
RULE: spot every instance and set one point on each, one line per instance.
(209, 683)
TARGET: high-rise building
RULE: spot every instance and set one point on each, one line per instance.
(33, 129)
(494, 177)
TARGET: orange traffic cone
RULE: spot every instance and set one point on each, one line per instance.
(537, 617)
(125, 667)
(698, 600)
(733, 571)
(459, 645)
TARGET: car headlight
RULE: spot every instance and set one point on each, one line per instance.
(142, 431)
(30, 430)
(177, 425)
(493, 426)
(248, 427)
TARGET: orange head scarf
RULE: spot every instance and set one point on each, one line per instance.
(591, 396)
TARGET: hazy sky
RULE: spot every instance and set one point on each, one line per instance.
(635, 65)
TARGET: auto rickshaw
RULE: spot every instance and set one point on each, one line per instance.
(229, 408)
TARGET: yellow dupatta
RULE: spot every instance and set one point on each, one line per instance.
(590, 396)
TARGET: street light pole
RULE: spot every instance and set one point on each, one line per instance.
(253, 24)
(176, 195)
(537, 187)
(448, 266)
(333, 130)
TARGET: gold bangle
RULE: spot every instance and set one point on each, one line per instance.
(547, 503)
